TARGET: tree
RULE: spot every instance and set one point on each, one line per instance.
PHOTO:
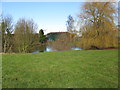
(97, 30)
(6, 30)
(24, 35)
(0, 33)
(42, 37)
(70, 23)
(72, 29)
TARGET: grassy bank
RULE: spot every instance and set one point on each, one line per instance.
(68, 69)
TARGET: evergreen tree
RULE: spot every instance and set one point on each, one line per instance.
(42, 37)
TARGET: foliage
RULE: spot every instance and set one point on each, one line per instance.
(70, 23)
(53, 36)
(42, 37)
(24, 35)
(72, 28)
(68, 69)
(6, 30)
(97, 29)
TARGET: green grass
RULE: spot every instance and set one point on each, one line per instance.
(68, 69)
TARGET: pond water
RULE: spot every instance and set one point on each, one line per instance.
(49, 49)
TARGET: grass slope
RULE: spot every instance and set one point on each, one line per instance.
(68, 69)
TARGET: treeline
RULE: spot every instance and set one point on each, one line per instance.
(97, 25)
(95, 28)
(21, 37)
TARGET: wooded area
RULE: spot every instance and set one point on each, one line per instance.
(97, 30)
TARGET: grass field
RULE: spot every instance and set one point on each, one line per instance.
(68, 69)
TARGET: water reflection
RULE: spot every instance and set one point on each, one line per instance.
(76, 48)
(49, 49)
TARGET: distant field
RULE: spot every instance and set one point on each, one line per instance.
(67, 69)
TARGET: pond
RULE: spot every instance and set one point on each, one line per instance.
(49, 49)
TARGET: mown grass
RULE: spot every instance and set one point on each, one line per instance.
(68, 69)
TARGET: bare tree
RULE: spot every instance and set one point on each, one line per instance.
(24, 35)
(6, 30)
(72, 29)
(70, 23)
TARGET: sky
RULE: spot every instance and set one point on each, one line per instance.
(49, 16)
